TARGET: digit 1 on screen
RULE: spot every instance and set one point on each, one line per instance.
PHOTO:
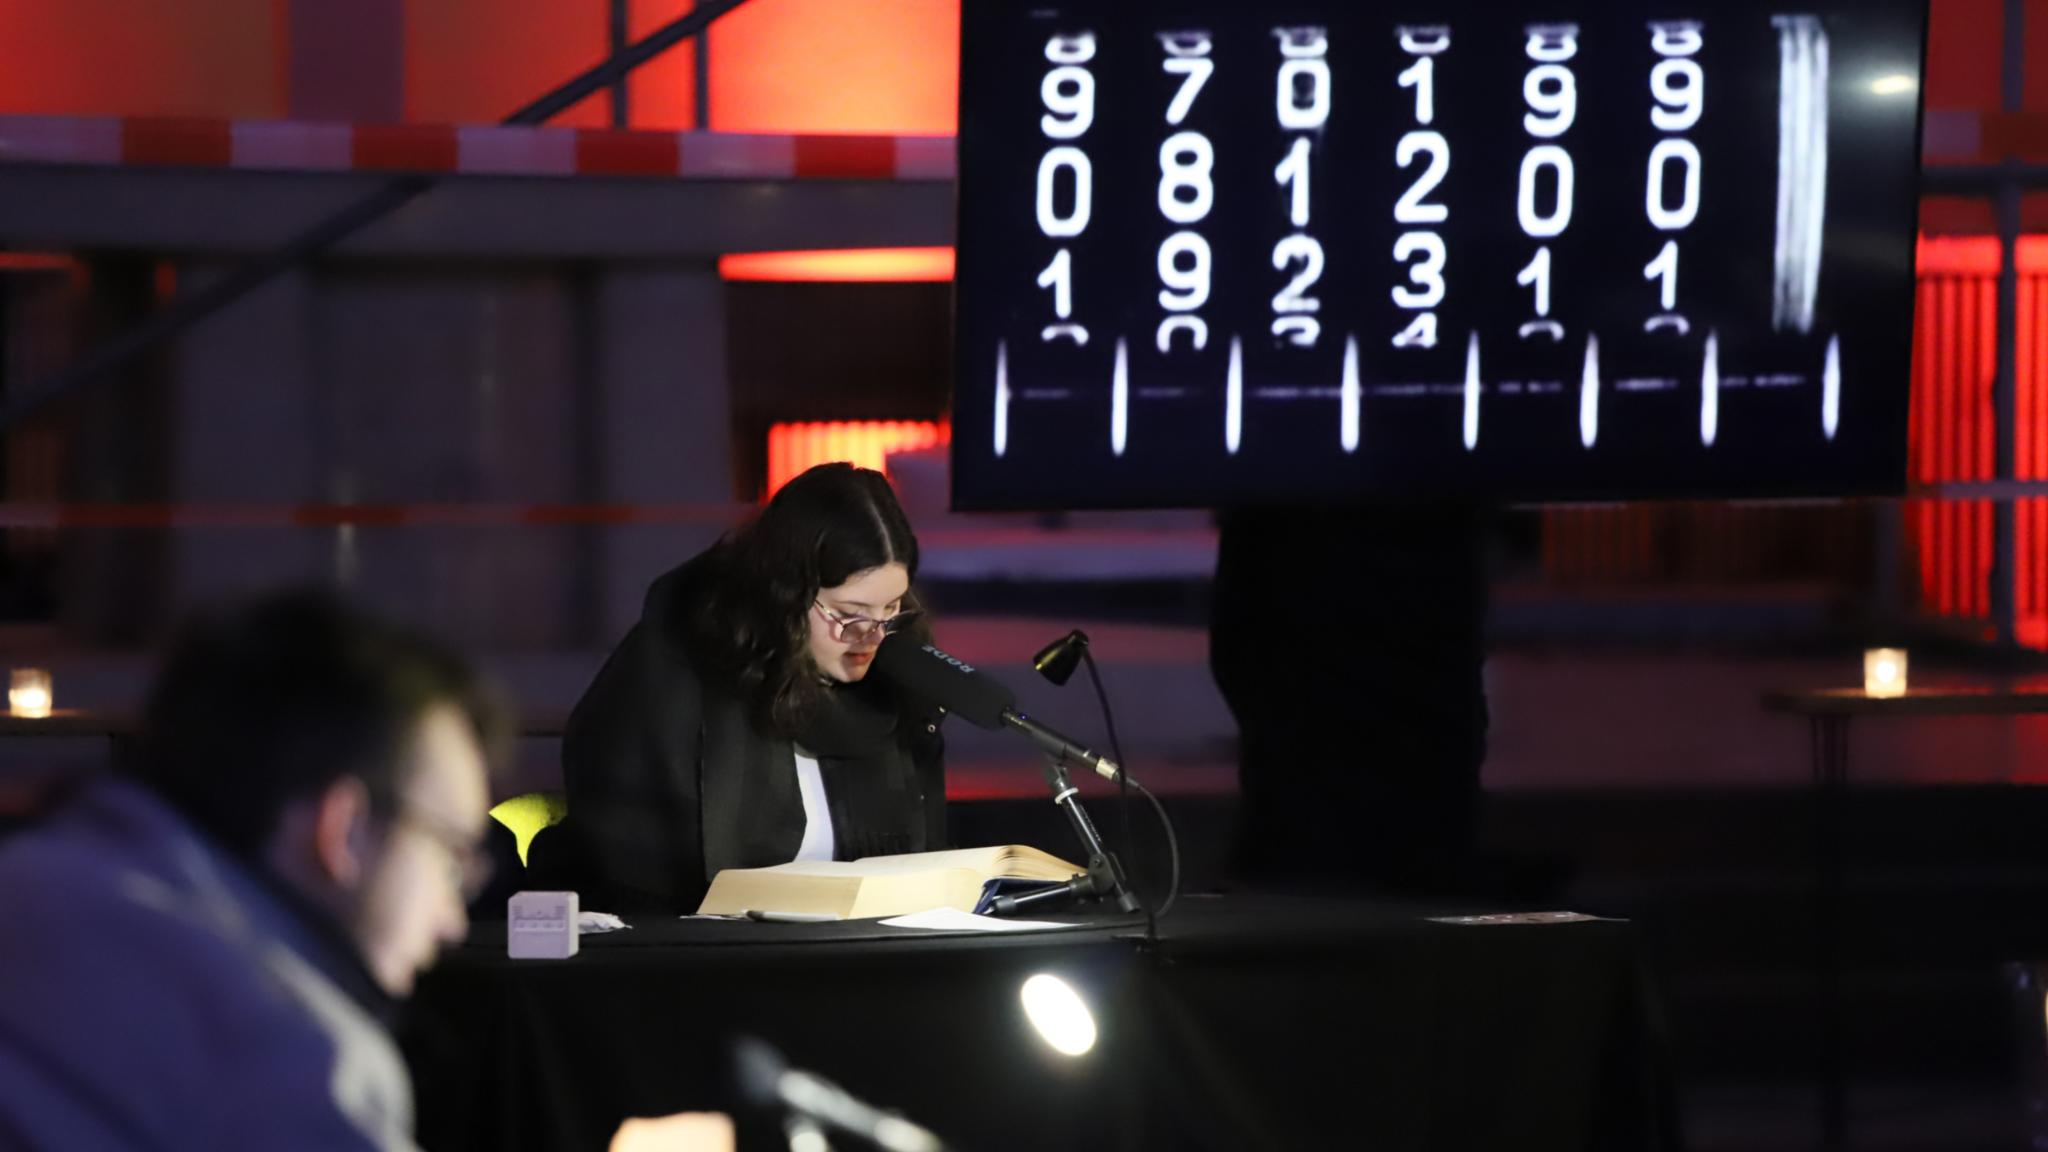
(1066, 177)
(1301, 105)
(1543, 200)
(1421, 252)
(1187, 193)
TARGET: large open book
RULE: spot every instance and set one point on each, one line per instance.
(878, 885)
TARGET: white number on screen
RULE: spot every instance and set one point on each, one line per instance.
(1681, 38)
(1069, 95)
(1074, 221)
(1302, 43)
(1553, 96)
(1194, 71)
(1078, 48)
(1308, 252)
(1292, 174)
(1665, 266)
(1187, 288)
(1663, 215)
(1420, 332)
(1302, 95)
(1425, 41)
(1059, 276)
(1185, 191)
(1196, 328)
(1537, 273)
(1421, 76)
(1678, 104)
(1427, 274)
(1411, 207)
(1553, 43)
(1559, 162)
(1299, 331)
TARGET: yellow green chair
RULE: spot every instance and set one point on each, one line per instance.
(526, 815)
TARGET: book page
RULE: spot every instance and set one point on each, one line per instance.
(735, 891)
(1027, 863)
(877, 885)
(915, 891)
(1011, 860)
(847, 869)
(850, 895)
(954, 920)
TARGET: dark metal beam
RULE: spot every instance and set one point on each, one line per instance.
(1981, 179)
(2004, 388)
(72, 207)
(621, 36)
(661, 40)
(190, 308)
(701, 83)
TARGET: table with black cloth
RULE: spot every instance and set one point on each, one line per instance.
(1249, 1022)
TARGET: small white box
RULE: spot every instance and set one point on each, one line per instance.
(541, 926)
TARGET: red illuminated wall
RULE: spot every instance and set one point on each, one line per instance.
(848, 265)
(873, 66)
(475, 61)
(884, 66)
(1950, 428)
(1964, 46)
(2030, 448)
(1953, 433)
(662, 93)
(881, 66)
(792, 448)
(215, 58)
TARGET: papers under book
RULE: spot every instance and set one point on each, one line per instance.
(881, 885)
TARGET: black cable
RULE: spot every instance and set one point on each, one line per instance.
(1124, 785)
(1172, 845)
(1116, 749)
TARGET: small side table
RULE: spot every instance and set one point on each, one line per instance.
(1829, 711)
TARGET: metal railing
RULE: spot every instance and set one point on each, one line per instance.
(190, 307)
(2005, 182)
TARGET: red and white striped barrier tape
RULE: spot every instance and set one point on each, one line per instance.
(468, 150)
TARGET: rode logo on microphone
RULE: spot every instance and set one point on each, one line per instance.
(949, 658)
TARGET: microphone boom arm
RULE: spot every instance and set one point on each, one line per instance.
(1105, 876)
(1060, 749)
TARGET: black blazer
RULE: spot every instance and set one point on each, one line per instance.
(670, 779)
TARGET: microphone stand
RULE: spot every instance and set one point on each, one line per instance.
(1104, 878)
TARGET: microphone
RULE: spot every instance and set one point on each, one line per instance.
(927, 672)
(766, 1080)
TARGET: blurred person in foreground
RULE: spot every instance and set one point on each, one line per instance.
(206, 949)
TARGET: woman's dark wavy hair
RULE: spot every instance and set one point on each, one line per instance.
(751, 625)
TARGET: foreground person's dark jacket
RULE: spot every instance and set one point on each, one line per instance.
(156, 993)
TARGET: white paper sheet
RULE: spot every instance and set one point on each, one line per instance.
(1517, 918)
(954, 920)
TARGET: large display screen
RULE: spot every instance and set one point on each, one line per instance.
(1225, 253)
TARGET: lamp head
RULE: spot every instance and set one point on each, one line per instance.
(1057, 660)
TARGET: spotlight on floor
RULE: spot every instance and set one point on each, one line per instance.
(1060, 1015)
